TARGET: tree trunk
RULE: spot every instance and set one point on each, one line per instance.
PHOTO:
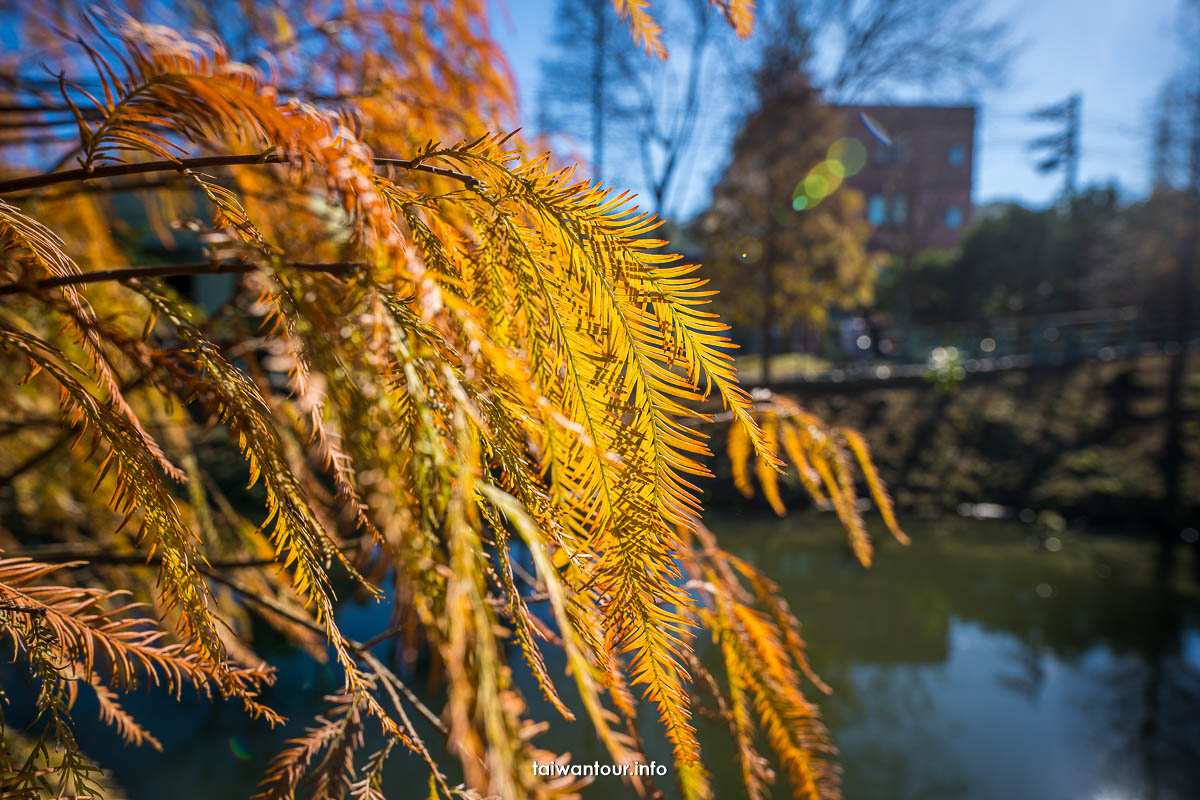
(768, 318)
(768, 304)
(1173, 452)
(600, 9)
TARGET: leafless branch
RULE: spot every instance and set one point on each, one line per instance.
(358, 647)
(116, 170)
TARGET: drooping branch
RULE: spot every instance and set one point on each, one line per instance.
(359, 648)
(201, 162)
(165, 270)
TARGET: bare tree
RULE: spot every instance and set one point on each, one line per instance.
(668, 99)
(1178, 169)
(599, 84)
(581, 92)
(882, 45)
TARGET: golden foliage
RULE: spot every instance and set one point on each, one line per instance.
(821, 457)
(788, 240)
(435, 347)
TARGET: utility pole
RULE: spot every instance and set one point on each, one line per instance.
(1163, 140)
(1060, 150)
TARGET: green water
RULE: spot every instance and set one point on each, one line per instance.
(984, 661)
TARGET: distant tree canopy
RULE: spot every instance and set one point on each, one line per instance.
(670, 119)
(1092, 253)
(600, 89)
(781, 253)
(431, 346)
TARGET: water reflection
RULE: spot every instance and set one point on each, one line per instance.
(954, 676)
(981, 664)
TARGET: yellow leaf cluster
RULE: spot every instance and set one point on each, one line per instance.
(447, 374)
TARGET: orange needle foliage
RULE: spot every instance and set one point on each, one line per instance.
(434, 346)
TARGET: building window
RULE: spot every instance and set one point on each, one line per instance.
(896, 151)
(883, 210)
(954, 217)
(957, 155)
(876, 210)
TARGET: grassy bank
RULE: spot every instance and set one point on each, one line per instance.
(1084, 441)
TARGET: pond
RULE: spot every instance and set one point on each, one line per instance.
(985, 661)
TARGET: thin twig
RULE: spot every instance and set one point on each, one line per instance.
(37, 458)
(56, 554)
(391, 679)
(390, 683)
(198, 268)
(34, 108)
(68, 435)
(499, 603)
(116, 170)
(32, 611)
(358, 647)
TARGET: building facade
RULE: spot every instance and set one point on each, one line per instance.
(917, 174)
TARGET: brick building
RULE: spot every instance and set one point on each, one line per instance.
(917, 176)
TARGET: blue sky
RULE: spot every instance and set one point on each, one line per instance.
(1115, 52)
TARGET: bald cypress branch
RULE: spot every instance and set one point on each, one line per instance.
(201, 162)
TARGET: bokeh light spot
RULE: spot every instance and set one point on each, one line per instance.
(749, 250)
(850, 153)
(816, 185)
(823, 179)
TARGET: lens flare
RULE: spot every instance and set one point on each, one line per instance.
(850, 153)
(823, 179)
(875, 129)
(238, 748)
(816, 185)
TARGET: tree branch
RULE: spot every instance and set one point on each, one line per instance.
(32, 611)
(197, 268)
(115, 170)
(177, 182)
(33, 460)
(363, 649)
(358, 647)
(65, 554)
